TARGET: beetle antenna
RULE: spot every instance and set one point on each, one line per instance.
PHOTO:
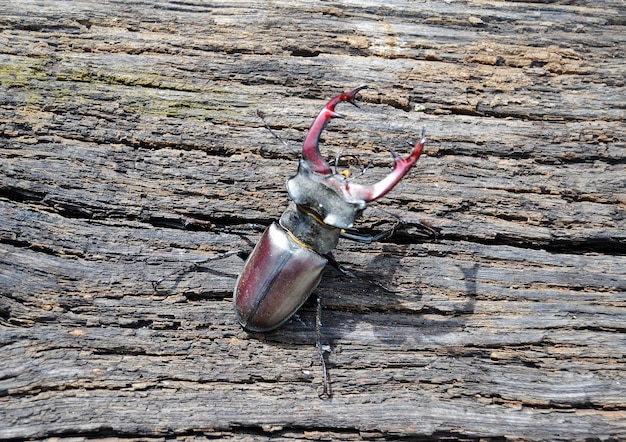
(362, 166)
(261, 115)
(339, 155)
(322, 350)
(357, 161)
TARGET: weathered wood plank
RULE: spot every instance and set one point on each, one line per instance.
(130, 148)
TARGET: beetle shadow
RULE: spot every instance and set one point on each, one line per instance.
(353, 302)
(418, 328)
(344, 291)
(369, 302)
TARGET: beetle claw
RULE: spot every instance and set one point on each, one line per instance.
(352, 95)
(311, 151)
(317, 164)
(400, 168)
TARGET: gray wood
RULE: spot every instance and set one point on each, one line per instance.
(130, 149)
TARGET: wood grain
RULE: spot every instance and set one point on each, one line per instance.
(130, 149)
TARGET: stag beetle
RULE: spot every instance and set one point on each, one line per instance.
(286, 265)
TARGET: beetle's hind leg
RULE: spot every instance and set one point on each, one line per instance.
(400, 225)
(349, 273)
(322, 350)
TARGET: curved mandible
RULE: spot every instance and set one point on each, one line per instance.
(400, 168)
(311, 150)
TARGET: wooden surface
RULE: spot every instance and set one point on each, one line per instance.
(130, 148)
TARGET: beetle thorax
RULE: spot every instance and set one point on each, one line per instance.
(324, 196)
(306, 229)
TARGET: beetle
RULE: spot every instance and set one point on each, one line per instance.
(287, 263)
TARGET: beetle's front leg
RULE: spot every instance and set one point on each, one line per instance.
(400, 225)
(368, 239)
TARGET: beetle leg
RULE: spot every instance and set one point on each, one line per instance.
(358, 275)
(350, 274)
(311, 151)
(155, 284)
(322, 350)
(424, 231)
(367, 239)
(400, 168)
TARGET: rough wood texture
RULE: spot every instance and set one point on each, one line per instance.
(130, 148)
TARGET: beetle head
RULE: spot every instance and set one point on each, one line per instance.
(331, 197)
